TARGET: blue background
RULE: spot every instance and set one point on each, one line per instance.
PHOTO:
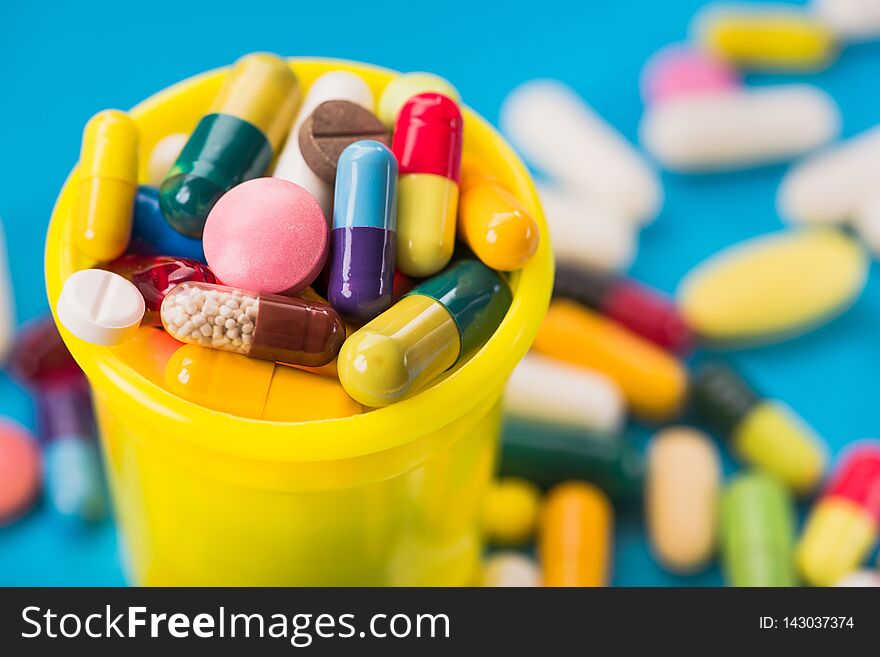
(64, 61)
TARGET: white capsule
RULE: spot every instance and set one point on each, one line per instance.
(827, 187)
(163, 156)
(511, 569)
(739, 128)
(585, 233)
(860, 578)
(866, 222)
(101, 307)
(335, 85)
(546, 390)
(559, 133)
(7, 301)
(856, 20)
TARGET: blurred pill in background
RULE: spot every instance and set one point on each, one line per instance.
(844, 524)
(20, 471)
(680, 70)
(162, 158)
(739, 128)
(866, 223)
(7, 300)
(773, 286)
(559, 133)
(761, 432)
(765, 36)
(854, 20)
(576, 529)
(757, 532)
(555, 392)
(510, 569)
(151, 234)
(681, 498)
(861, 579)
(511, 510)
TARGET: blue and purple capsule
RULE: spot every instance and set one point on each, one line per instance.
(362, 242)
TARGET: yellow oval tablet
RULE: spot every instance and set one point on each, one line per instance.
(774, 286)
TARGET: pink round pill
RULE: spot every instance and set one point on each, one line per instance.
(679, 70)
(266, 235)
(19, 471)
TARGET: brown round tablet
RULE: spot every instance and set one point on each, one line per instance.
(330, 128)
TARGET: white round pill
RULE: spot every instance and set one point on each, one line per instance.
(163, 156)
(100, 307)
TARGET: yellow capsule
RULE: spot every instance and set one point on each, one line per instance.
(575, 538)
(653, 382)
(426, 209)
(774, 286)
(148, 352)
(107, 175)
(493, 223)
(511, 511)
(253, 388)
(776, 38)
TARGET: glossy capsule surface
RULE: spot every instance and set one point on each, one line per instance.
(362, 242)
(156, 276)
(764, 433)
(107, 174)
(575, 537)
(427, 144)
(844, 525)
(234, 142)
(653, 382)
(254, 388)
(641, 309)
(444, 320)
(757, 532)
(152, 235)
(266, 326)
(511, 511)
(39, 356)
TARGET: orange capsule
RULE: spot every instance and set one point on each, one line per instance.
(653, 382)
(575, 536)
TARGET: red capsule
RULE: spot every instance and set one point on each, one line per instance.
(858, 479)
(39, 356)
(428, 136)
(155, 276)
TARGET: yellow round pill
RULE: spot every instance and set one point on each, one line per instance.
(511, 511)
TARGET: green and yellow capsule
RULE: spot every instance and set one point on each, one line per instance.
(235, 141)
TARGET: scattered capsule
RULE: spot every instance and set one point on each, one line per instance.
(39, 356)
(291, 166)
(148, 352)
(7, 301)
(575, 536)
(492, 221)
(151, 234)
(443, 321)
(407, 85)
(844, 525)
(775, 37)
(100, 307)
(757, 532)
(162, 158)
(107, 175)
(764, 433)
(511, 511)
(681, 498)
(679, 70)
(545, 390)
(860, 579)
(427, 144)
(854, 20)
(234, 142)
(19, 471)
(266, 326)
(560, 134)
(362, 243)
(774, 286)
(511, 569)
(653, 382)
(550, 454)
(866, 223)
(252, 388)
(739, 128)
(828, 187)
(155, 276)
(639, 308)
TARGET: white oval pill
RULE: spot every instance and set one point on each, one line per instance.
(559, 133)
(855, 20)
(773, 286)
(866, 222)
(827, 187)
(511, 569)
(739, 128)
(583, 232)
(163, 156)
(860, 578)
(100, 307)
(335, 85)
(7, 301)
(681, 497)
(546, 390)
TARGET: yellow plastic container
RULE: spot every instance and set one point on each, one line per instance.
(391, 497)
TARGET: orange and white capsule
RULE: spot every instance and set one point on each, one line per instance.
(427, 144)
(108, 169)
